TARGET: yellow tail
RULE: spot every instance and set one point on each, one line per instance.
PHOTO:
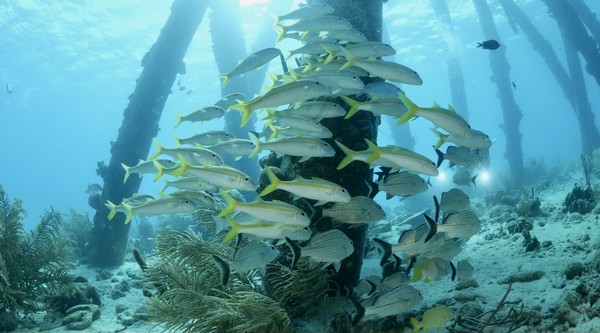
(231, 204)
(411, 111)
(274, 182)
(349, 158)
(235, 229)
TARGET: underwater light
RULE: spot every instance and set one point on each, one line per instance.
(442, 176)
(484, 177)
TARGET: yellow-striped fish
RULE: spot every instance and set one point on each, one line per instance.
(316, 189)
(436, 317)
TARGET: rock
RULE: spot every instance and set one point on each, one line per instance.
(80, 317)
(103, 275)
(466, 296)
(519, 226)
(80, 279)
(465, 284)
(122, 286)
(470, 310)
(116, 294)
(573, 270)
(120, 308)
(522, 277)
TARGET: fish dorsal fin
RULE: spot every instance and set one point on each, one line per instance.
(451, 108)
(436, 105)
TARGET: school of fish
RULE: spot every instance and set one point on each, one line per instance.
(333, 59)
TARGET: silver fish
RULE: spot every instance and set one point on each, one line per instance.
(462, 156)
(462, 177)
(463, 224)
(454, 200)
(358, 210)
(464, 270)
(388, 303)
(330, 247)
(254, 255)
(206, 138)
(403, 184)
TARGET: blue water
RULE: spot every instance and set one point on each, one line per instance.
(72, 64)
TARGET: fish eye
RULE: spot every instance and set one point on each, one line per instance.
(272, 247)
(303, 214)
(305, 228)
(246, 179)
(354, 77)
(415, 73)
(343, 190)
(326, 145)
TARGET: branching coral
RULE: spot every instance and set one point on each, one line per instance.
(300, 290)
(31, 265)
(190, 297)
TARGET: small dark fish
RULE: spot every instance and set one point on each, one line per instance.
(178, 83)
(9, 88)
(93, 188)
(181, 88)
(514, 85)
(188, 92)
(489, 44)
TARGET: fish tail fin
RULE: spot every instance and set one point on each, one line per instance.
(453, 269)
(280, 30)
(257, 143)
(159, 150)
(112, 207)
(179, 119)
(354, 106)
(127, 172)
(350, 59)
(417, 325)
(432, 228)
(235, 229)
(245, 109)
(376, 151)
(177, 140)
(129, 212)
(231, 204)
(411, 109)
(330, 54)
(360, 311)
(440, 156)
(226, 78)
(184, 166)
(296, 252)
(386, 249)
(310, 65)
(473, 180)
(442, 138)
(348, 158)
(160, 170)
(274, 182)
(275, 133)
(223, 268)
(294, 75)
